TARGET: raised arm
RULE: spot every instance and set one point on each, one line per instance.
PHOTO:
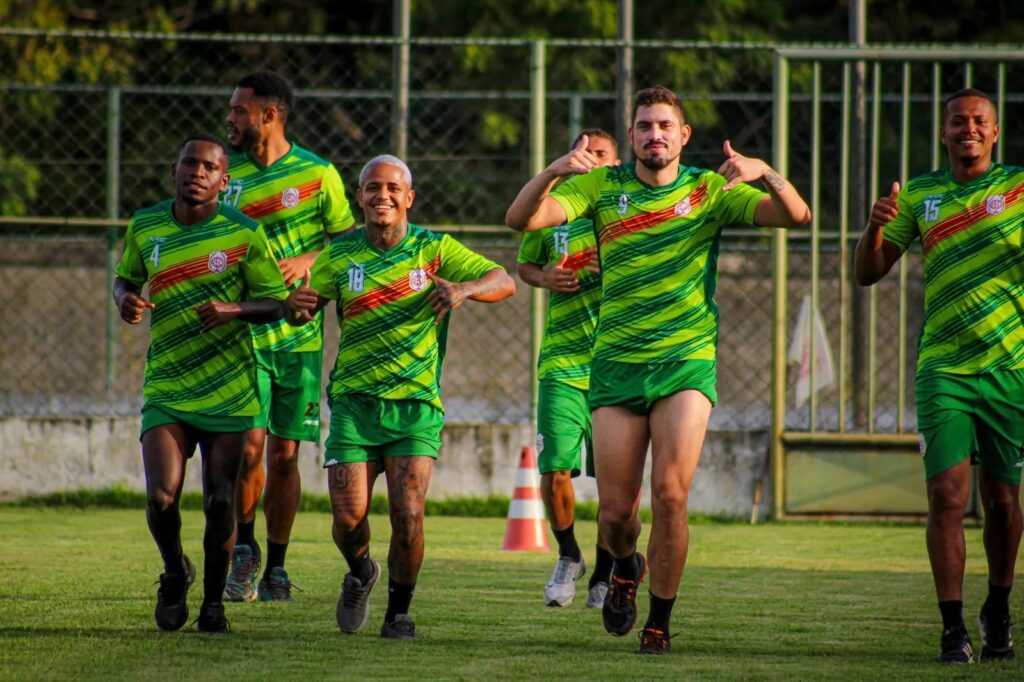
(784, 207)
(533, 208)
(875, 256)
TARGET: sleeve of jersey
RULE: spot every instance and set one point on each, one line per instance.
(578, 195)
(738, 205)
(322, 279)
(336, 212)
(459, 264)
(262, 276)
(131, 267)
(902, 229)
(532, 249)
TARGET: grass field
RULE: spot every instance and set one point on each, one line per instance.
(780, 601)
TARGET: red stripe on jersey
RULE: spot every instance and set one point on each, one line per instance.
(388, 293)
(964, 220)
(645, 221)
(274, 203)
(192, 268)
(577, 261)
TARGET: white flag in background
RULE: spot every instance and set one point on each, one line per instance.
(800, 352)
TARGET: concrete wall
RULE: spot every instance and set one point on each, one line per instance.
(42, 455)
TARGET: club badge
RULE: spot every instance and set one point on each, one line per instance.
(683, 207)
(290, 198)
(218, 261)
(995, 205)
(418, 279)
(623, 204)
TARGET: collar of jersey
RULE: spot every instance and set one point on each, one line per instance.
(264, 169)
(183, 226)
(684, 172)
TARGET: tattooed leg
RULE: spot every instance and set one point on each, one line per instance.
(350, 487)
(408, 479)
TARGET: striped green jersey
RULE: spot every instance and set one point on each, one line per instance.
(568, 344)
(299, 199)
(971, 234)
(659, 258)
(390, 347)
(223, 258)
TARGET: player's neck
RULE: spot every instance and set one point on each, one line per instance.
(385, 238)
(965, 170)
(190, 214)
(270, 150)
(660, 177)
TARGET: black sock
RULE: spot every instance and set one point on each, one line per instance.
(246, 536)
(997, 604)
(603, 569)
(661, 612)
(627, 567)
(952, 615)
(361, 567)
(275, 554)
(399, 598)
(567, 546)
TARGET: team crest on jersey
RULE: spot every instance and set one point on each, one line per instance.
(683, 207)
(218, 261)
(290, 198)
(623, 204)
(418, 279)
(995, 205)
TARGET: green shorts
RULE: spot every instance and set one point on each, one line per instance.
(637, 386)
(365, 428)
(288, 385)
(160, 415)
(563, 427)
(972, 415)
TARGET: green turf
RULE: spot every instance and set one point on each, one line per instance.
(781, 601)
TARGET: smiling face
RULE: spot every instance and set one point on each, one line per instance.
(969, 130)
(385, 196)
(200, 173)
(658, 135)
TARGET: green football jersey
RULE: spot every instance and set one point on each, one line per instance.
(659, 258)
(390, 346)
(223, 258)
(971, 234)
(300, 200)
(568, 344)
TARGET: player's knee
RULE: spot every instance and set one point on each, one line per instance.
(1001, 512)
(407, 516)
(346, 521)
(252, 457)
(159, 501)
(219, 500)
(283, 464)
(670, 498)
(615, 515)
(947, 496)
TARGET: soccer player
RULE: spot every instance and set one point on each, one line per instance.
(210, 270)
(970, 366)
(563, 260)
(395, 284)
(300, 200)
(652, 381)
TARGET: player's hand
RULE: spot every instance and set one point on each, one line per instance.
(300, 306)
(884, 210)
(445, 296)
(216, 313)
(577, 162)
(293, 268)
(560, 278)
(593, 264)
(738, 168)
(132, 306)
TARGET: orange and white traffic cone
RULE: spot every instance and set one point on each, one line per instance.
(526, 531)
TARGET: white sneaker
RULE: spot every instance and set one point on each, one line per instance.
(596, 595)
(561, 588)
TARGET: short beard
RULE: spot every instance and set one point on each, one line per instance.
(246, 140)
(656, 163)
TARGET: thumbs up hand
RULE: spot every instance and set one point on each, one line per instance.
(885, 209)
(302, 303)
(577, 162)
(738, 168)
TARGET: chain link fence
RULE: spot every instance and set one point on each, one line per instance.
(91, 122)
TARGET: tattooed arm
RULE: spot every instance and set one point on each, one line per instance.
(783, 207)
(494, 286)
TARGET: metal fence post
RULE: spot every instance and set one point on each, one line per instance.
(538, 300)
(113, 193)
(780, 160)
(400, 81)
